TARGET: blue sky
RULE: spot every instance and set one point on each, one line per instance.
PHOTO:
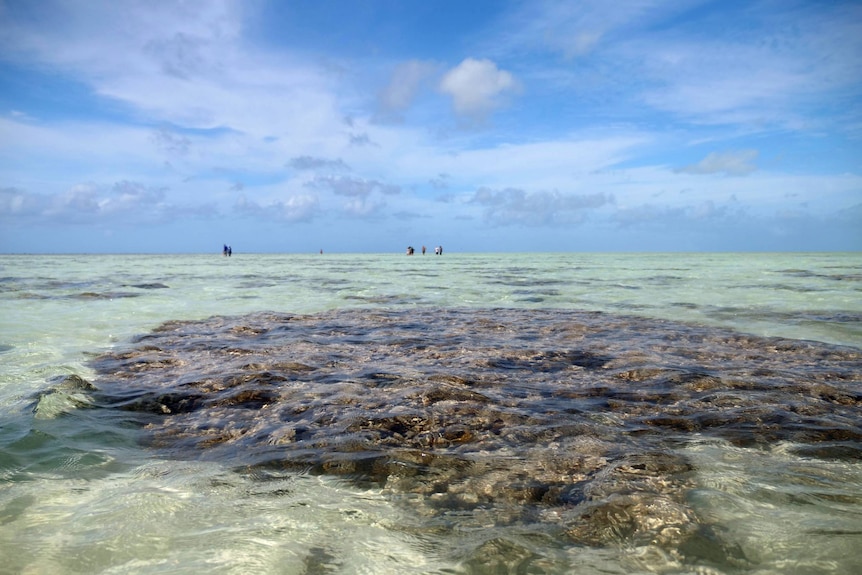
(367, 126)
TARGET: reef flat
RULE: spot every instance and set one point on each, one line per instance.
(575, 421)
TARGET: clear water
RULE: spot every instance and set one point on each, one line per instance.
(82, 494)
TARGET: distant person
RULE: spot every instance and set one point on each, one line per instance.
(423, 250)
(409, 250)
(224, 251)
(438, 250)
(229, 251)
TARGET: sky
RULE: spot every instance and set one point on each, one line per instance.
(481, 126)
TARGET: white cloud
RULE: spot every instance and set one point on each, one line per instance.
(88, 203)
(129, 196)
(20, 205)
(737, 163)
(403, 88)
(296, 208)
(311, 163)
(353, 187)
(517, 206)
(185, 64)
(102, 38)
(476, 86)
(181, 55)
(363, 207)
(171, 142)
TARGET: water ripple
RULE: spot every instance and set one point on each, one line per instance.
(577, 422)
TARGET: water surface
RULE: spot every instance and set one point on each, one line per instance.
(465, 413)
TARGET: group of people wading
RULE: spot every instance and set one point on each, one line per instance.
(437, 251)
(227, 251)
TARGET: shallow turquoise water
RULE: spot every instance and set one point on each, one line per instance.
(83, 497)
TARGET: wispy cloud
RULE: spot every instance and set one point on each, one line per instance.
(571, 30)
(765, 70)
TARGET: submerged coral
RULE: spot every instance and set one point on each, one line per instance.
(571, 419)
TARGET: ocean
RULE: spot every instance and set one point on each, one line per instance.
(458, 414)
